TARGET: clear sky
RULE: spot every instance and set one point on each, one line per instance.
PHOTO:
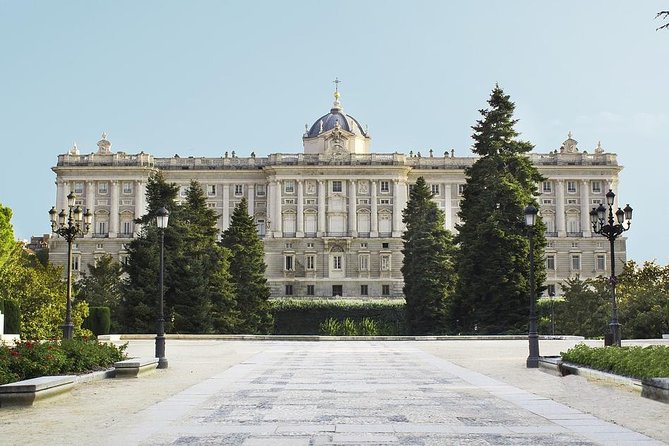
(197, 78)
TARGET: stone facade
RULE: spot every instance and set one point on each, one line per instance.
(331, 216)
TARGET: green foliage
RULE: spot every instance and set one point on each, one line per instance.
(31, 359)
(293, 316)
(7, 242)
(12, 317)
(330, 327)
(493, 263)
(428, 269)
(637, 362)
(349, 328)
(586, 308)
(101, 286)
(247, 271)
(643, 300)
(98, 320)
(198, 291)
(368, 327)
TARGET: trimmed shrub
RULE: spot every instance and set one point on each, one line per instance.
(637, 362)
(297, 316)
(98, 320)
(12, 317)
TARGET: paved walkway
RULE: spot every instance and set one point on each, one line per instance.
(332, 393)
(342, 393)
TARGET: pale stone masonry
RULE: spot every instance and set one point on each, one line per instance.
(331, 217)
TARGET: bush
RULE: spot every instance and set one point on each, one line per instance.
(98, 320)
(12, 317)
(330, 327)
(31, 359)
(636, 362)
(293, 316)
(368, 327)
(349, 328)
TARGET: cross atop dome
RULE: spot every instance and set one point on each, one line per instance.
(337, 95)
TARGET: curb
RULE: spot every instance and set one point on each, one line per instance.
(317, 338)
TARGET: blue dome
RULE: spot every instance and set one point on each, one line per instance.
(328, 122)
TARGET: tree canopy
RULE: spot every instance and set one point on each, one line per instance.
(493, 263)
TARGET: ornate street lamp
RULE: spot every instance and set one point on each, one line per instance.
(533, 336)
(162, 216)
(611, 230)
(70, 225)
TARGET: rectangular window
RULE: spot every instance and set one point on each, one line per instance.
(127, 187)
(363, 245)
(289, 245)
(547, 187)
(211, 190)
(572, 201)
(211, 205)
(600, 262)
(336, 186)
(576, 262)
(289, 201)
(597, 187)
(364, 290)
(550, 289)
(547, 201)
(78, 188)
(310, 245)
(289, 186)
(461, 189)
(310, 262)
(435, 189)
(288, 262)
(260, 190)
(102, 227)
(385, 263)
(124, 259)
(385, 245)
(571, 187)
(310, 290)
(385, 187)
(336, 262)
(289, 290)
(337, 290)
(127, 227)
(311, 201)
(103, 188)
(385, 290)
(364, 262)
(384, 201)
(596, 201)
(76, 260)
(239, 189)
(363, 201)
(550, 262)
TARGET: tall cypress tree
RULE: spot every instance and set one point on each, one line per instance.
(247, 268)
(493, 266)
(428, 263)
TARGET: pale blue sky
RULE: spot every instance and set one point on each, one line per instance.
(202, 77)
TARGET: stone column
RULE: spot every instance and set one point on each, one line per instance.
(60, 195)
(374, 230)
(226, 207)
(278, 207)
(251, 196)
(585, 208)
(321, 208)
(114, 216)
(448, 223)
(397, 210)
(559, 209)
(140, 206)
(353, 209)
(299, 231)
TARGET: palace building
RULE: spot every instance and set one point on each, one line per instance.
(330, 216)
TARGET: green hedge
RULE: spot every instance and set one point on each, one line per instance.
(297, 316)
(637, 362)
(12, 314)
(98, 320)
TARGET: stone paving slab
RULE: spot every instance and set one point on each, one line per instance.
(364, 393)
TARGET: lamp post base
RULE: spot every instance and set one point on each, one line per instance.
(615, 331)
(162, 363)
(160, 351)
(68, 330)
(532, 363)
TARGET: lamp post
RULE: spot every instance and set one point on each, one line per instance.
(533, 336)
(70, 225)
(162, 216)
(611, 229)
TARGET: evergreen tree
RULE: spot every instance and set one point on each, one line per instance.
(141, 288)
(428, 263)
(101, 287)
(247, 268)
(7, 242)
(493, 266)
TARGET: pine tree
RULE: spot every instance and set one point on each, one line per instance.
(101, 287)
(139, 303)
(493, 265)
(428, 263)
(247, 268)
